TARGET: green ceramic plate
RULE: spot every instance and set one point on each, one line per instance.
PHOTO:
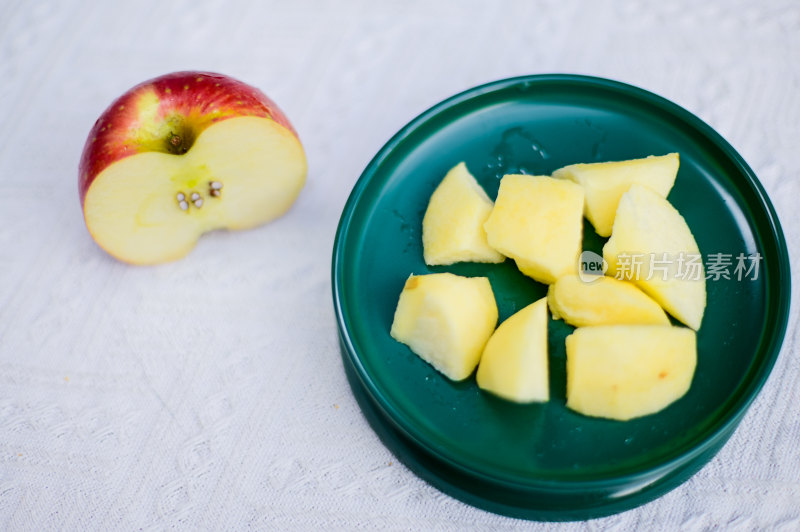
(545, 461)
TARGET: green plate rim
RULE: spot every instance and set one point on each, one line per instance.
(486, 497)
(776, 300)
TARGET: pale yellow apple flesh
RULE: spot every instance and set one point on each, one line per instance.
(133, 212)
(452, 228)
(538, 221)
(649, 231)
(602, 301)
(627, 371)
(446, 320)
(605, 183)
(514, 362)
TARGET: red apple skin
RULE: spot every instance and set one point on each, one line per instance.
(183, 103)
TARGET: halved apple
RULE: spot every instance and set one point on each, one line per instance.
(538, 222)
(605, 183)
(514, 362)
(652, 246)
(446, 320)
(452, 228)
(602, 301)
(626, 371)
(181, 155)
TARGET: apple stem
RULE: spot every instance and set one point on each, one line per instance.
(179, 144)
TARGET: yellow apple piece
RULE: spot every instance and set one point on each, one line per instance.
(452, 229)
(651, 245)
(446, 319)
(514, 362)
(538, 222)
(627, 371)
(605, 183)
(602, 301)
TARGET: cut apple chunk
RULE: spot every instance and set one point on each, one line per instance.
(514, 362)
(605, 183)
(627, 371)
(151, 207)
(452, 229)
(652, 246)
(446, 319)
(538, 221)
(602, 301)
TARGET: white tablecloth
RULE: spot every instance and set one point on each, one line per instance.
(209, 393)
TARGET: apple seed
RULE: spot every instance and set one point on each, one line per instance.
(198, 203)
(215, 185)
(183, 205)
(181, 196)
(195, 196)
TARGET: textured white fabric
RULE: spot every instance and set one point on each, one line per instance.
(208, 394)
